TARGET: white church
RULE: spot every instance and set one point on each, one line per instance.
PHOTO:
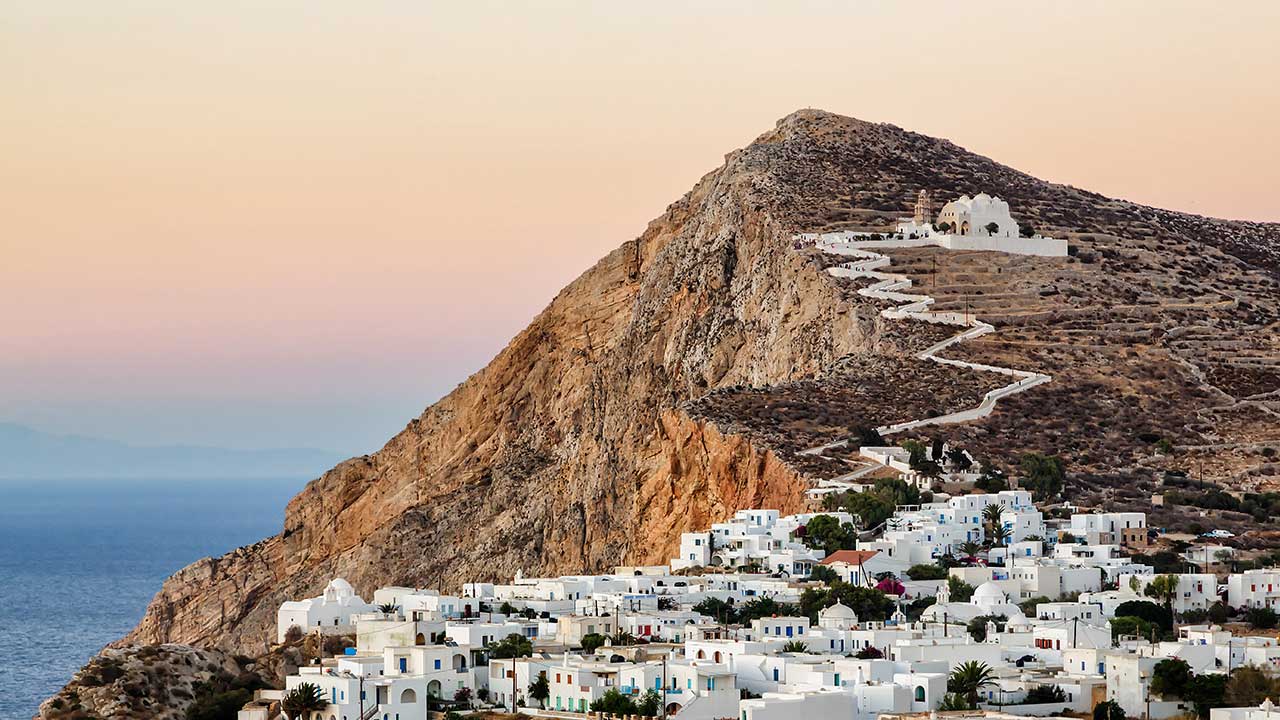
(981, 222)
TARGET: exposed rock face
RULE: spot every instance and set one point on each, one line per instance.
(537, 462)
(706, 477)
(577, 449)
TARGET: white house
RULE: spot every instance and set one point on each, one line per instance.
(1254, 588)
(1196, 591)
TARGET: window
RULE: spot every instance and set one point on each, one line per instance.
(437, 663)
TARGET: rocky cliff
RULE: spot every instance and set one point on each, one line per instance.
(544, 461)
(645, 399)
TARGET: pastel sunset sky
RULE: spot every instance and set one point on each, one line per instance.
(269, 223)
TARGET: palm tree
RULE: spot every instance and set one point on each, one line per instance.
(991, 514)
(540, 690)
(795, 646)
(1165, 589)
(999, 533)
(388, 608)
(302, 701)
(968, 678)
(970, 548)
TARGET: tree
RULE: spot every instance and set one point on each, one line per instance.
(512, 646)
(1164, 588)
(952, 702)
(507, 608)
(822, 573)
(875, 504)
(926, 572)
(1170, 677)
(920, 458)
(999, 533)
(1028, 606)
(959, 459)
(758, 607)
(1206, 692)
(713, 607)
(388, 608)
(613, 702)
(968, 678)
(1263, 618)
(866, 436)
(462, 695)
(969, 548)
(795, 646)
(650, 704)
(992, 228)
(592, 642)
(540, 689)
(960, 590)
(1043, 475)
(622, 638)
(944, 227)
(1044, 694)
(992, 480)
(991, 514)
(1129, 625)
(869, 653)
(828, 534)
(1108, 710)
(977, 627)
(302, 701)
(222, 695)
(1148, 611)
(868, 603)
(1249, 686)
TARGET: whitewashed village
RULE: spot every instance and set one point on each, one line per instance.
(890, 597)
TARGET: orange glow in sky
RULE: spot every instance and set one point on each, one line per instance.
(299, 222)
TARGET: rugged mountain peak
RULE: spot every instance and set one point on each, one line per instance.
(670, 384)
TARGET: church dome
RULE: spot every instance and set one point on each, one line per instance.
(988, 593)
(839, 611)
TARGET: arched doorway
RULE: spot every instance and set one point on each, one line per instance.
(702, 655)
(408, 696)
(433, 688)
(673, 709)
(420, 639)
(716, 657)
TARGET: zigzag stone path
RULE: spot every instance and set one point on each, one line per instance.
(914, 307)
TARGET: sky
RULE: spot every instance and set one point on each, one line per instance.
(297, 223)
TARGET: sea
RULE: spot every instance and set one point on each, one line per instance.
(80, 560)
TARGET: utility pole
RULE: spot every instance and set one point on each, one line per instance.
(664, 687)
(944, 623)
(1075, 622)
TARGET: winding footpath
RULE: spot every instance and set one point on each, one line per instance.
(915, 307)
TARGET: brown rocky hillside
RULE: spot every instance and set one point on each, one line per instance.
(672, 383)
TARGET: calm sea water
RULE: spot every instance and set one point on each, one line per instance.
(80, 560)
